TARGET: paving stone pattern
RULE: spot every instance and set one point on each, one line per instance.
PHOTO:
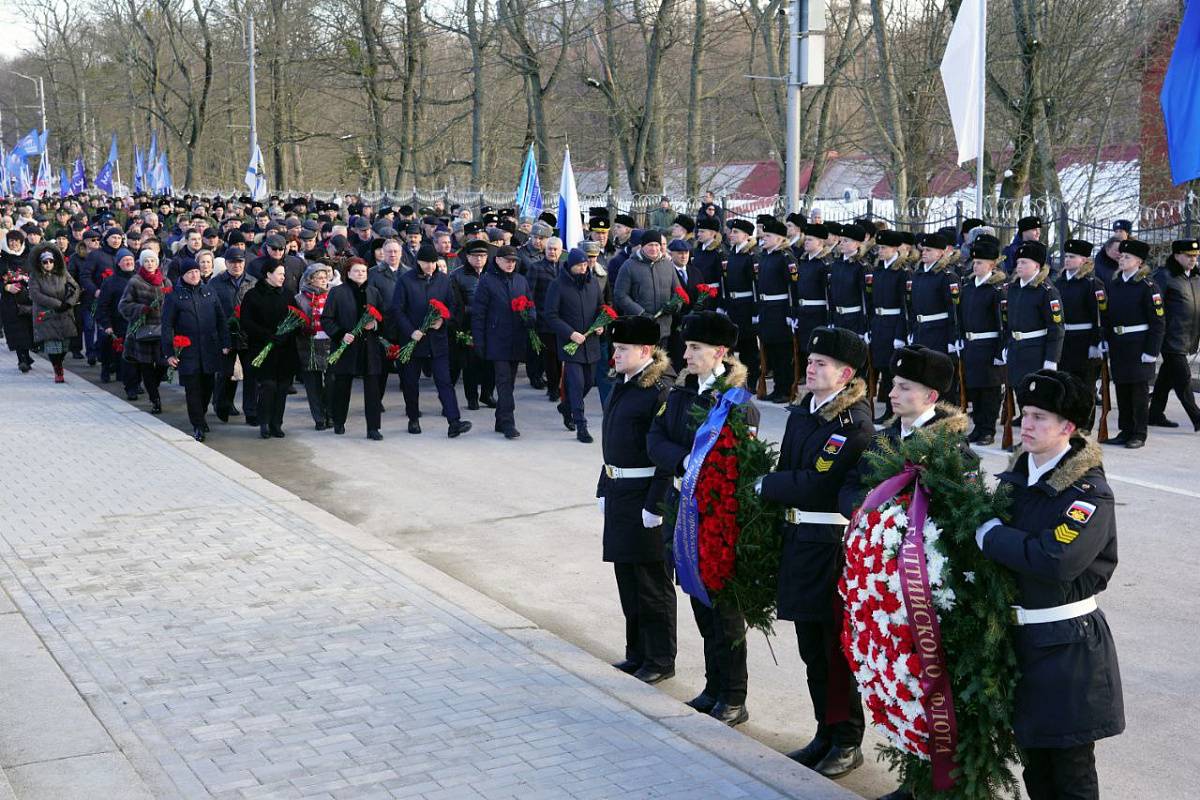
(254, 655)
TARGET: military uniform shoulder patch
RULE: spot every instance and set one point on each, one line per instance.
(908, 285)
(1102, 299)
(1064, 534)
(823, 464)
(1158, 303)
(869, 278)
(1081, 512)
(1055, 305)
(661, 410)
(834, 445)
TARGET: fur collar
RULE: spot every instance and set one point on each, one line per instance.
(897, 263)
(854, 391)
(1084, 455)
(995, 277)
(1142, 273)
(1086, 269)
(946, 416)
(1038, 279)
(658, 365)
(735, 373)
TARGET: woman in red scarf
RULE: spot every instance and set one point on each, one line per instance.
(142, 305)
(313, 343)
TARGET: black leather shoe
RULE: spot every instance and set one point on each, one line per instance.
(653, 675)
(1119, 439)
(321, 426)
(488, 401)
(223, 416)
(156, 407)
(264, 432)
(512, 433)
(581, 433)
(628, 667)
(568, 422)
(339, 429)
(811, 754)
(1163, 422)
(414, 426)
(291, 389)
(250, 419)
(25, 368)
(702, 702)
(537, 383)
(234, 411)
(375, 436)
(552, 396)
(899, 794)
(204, 427)
(776, 397)
(730, 715)
(985, 441)
(1134, 444)
(277, 433)
(91, 362)
(457, 427)
(198, 434)
(840, 761)
(130, 396)
(472, 405)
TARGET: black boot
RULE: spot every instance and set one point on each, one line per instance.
(581, 433)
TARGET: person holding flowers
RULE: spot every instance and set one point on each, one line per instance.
(502, 333)
(711, 371)
(465, 357)
(15, 305)
(264, 308)
(54, 294)
(312, 343)
(357, 348)
(231, 287)
(141, 305)
(113, 326)
(646, 284)
(194, 337)
(826, 434)
(420, 312)
(576, 314)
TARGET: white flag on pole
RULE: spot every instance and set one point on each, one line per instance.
(256, 175)
(962, 67)
(570, 222)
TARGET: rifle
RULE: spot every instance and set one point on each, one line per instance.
(872, 381)
(1007, 441)
(761, 388)
(1105, 402)
(798, 369)
(962, 383)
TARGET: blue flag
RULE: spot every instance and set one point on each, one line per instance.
(78, 177)
(139, 171)
(64, 184)
(152, 156)
(28, 145)
(528, 201)
(1180, 98)
(112, 150)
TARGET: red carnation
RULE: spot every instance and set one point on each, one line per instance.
(180, 342)
(374, 312)
(106, 274)
(167, 288)
(609, 311)
(237, 311)
(441, 309)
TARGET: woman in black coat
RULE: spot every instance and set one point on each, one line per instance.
(16, 309)
(363, 357)
(264, 307)
(112, 326)
(192, 310)
(142, 302)
(573, 301)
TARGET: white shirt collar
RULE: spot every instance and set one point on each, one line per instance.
(1036, 472)
(1024, 282)
(926, 267)
(1129, 277)
(814, 406)
(980, 281)
(925, 416)
(641, 369)
(711, 379)
(1071, 273)
(890, 261)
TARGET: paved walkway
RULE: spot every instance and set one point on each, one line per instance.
(236, 642)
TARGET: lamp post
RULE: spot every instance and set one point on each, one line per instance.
(37, 82)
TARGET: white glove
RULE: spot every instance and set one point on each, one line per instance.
(1049, 365)
(723, 312)
(687, 460)
(910, 338)
(982, 531)
(867, 337)
(758, 486)
(1104, 347)
(793, 323)
(650, 520)
(1004, 356)
(1148, 359)
(897, 343)
(955, 346)
(600, 502)
(1095, 353)
(998, 362)
(754, 320)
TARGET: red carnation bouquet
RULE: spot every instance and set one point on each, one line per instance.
(180, 343)
(372, 313)
(523, 305)
(678, 299)
(390, 351)
(294, 319)
(118, 344)
(706, 293)
(437, 310)
(607, 314)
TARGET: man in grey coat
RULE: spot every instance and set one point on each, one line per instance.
(646, 282)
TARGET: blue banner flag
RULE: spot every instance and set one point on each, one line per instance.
(152, 156)
(528, 201)
(139, 171)
(29, 145)
(112, 150)
(1180, 98)
(64, 183)
(78, 177)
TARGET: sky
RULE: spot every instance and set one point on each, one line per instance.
(16, 34)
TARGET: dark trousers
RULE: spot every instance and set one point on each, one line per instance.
(23, 357)
(198, 391)
(985, 408)
(110, 362)
(747, 353)
(318, 387)
(410, 382)
(506, 406)
(600, 371)
(1133, 412)
(1174, 374)
(551, 366)
(372, 401)
(1089, 373)
(90, 334)
(724, 634)
(226, 389)
(1067, 773)
(151, 375)
(477, 377)
(779, 361)
(577, 382)
(648, 602)
(130, 376)
(818, 643)
(272, 398)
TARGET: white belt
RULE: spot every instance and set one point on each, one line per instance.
(888, 312)
(740, 295)
(982, 335)
(820, 303)
(932, 317)
(1034, 616)
(1021, 335)
(771, 297)
(797, 517)
(1077, 326)
(848, 309)
(1123, 329)
(628, 472)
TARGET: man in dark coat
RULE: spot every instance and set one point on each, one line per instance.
(739, 287)
(192, 310)
(631, 490)
(1133, 329)
(478, 379)
(573, 302)
(826, 434)
(981, 320)
(776, 305)
(410, 304)
(690, 278)
(91, 274)
(710, 337)
(500, 333)
(1034, 315)
(887, 302)
(812, 285)
(230, 288)
(932, 298)
(646, 282)
(1082, 295)
(1061, 545)
(111, 326)
(1179, 281)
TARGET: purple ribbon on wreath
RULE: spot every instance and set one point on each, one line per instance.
(937, 700)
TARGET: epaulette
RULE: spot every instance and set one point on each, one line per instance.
(1082, 486)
